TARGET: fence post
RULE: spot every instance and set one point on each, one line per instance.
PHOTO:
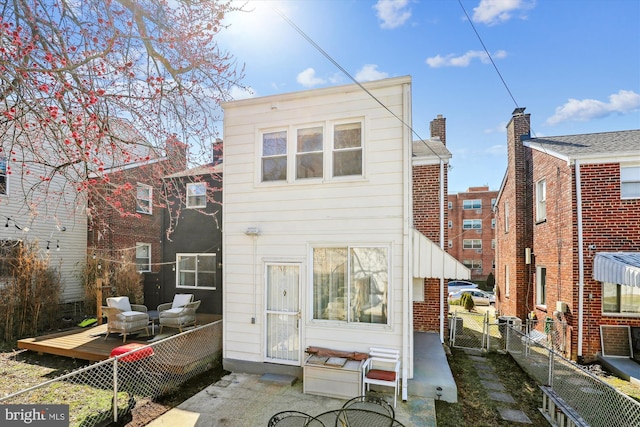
(115, 389)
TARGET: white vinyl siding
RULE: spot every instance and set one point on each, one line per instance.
(295, 215)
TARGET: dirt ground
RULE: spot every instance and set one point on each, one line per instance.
(21, 369)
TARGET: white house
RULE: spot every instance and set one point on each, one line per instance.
(318, 237)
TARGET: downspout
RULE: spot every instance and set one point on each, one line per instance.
(407, 311)
(580, 259)
(442, 247)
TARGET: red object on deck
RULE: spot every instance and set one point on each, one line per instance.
(140, 354)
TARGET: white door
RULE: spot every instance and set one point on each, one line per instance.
(283, 313)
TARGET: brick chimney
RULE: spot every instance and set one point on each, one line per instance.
(438, 128)
(176, 153)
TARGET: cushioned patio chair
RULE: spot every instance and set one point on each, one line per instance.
(179, 313)
(382, 368)
(124, 317)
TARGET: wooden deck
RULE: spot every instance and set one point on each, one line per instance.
(88, 343)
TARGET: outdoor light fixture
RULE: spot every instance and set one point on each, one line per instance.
(252, 231)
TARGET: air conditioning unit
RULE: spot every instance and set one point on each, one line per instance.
(478, 251)
(478, 211)
(561, 307)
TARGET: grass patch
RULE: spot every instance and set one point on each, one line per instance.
(474, 407)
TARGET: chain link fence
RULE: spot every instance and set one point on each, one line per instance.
(107, 391)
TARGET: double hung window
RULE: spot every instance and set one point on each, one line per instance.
(541, 200)
(541, 285)
(350, 284)
(472, 243)
(3, 175)
(196, 271)
(323, 151)
(144, 198)
(274, 156)
(143, 257)
(630, 182)
(472, 204)
(197, 195)
(468, 224)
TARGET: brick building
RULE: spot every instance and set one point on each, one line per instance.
(471, 226)
(568, 237)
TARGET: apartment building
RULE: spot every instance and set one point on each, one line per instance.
(471, 230)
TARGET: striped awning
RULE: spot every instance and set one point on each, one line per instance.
(622, 268)
(431, 261)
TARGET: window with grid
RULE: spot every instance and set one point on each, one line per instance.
(350, 284)
(3, 175)
(620, 298)
(541, 200)
(472, 263)
(472, 243)
(197, 195)
(144, 194)
(347, 149)
(274, 156)
(472, 204)
(143, 257)
(541, 285)
(469, 224)
(196, 271)
(630, 182)
(309, 155)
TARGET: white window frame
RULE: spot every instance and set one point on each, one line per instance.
(289, 153)
(472, 224)
(472, 264)
(348, 285)
(630, 182)
(624, 300)
(196, 197)
(196, 271)
(143, 267)
(541, 285)
(4, 176)
(506, 217)
(147, 201)
(541, 200)
(304, 151)
(278, 134)
(472, 204)
(471, 243)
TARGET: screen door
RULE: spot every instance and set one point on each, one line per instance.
(283, 313)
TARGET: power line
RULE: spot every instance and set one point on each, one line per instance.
(334, 62)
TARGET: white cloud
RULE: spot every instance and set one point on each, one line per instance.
(238, 92)
(500, 128)
(498, 149)
(493, 12)
(622, 102)
(451, 60)
(392, 13)
(308, 78)
(370, 72)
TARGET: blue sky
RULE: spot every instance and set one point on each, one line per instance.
(574, 64)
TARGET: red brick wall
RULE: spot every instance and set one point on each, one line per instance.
(426, 218)
(553, 238)
(511, 244)
(611, 224)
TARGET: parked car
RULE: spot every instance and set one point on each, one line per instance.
(456, 285)
(479, 297)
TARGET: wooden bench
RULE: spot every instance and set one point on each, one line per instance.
(558, 412)
(333, 373)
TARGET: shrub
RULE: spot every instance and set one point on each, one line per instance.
(31, 294)
(467, 301)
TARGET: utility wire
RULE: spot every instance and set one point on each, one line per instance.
(334, 62)
(488, 54)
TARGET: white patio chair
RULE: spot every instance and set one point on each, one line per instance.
(124, 317)
(382, 368)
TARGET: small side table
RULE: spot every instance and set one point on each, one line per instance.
(154, 316)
